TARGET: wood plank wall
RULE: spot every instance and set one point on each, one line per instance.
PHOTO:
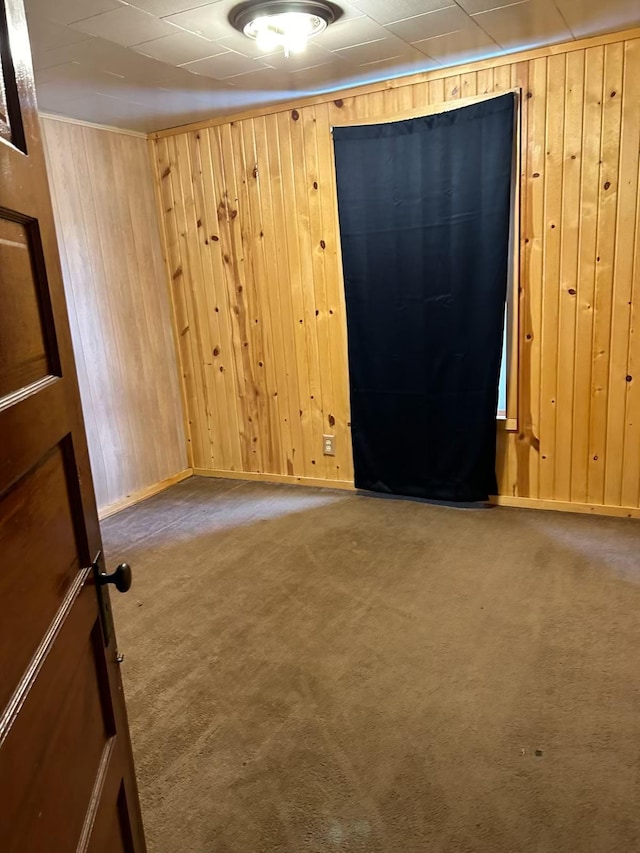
(252, 247)
(108, 235)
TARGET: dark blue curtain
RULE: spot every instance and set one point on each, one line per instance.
(424, 212)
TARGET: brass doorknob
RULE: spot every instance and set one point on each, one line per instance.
(121, 578)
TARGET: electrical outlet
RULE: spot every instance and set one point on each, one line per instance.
(328, 442)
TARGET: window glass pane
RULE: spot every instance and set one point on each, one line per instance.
(502, 386)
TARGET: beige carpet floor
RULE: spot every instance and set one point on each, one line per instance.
(311, 671)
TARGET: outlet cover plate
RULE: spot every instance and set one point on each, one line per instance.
(329, 445)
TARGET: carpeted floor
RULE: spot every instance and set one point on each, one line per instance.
(310, 671)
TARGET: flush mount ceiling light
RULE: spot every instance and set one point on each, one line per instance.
(276, 24)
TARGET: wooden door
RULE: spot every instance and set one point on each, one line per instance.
(66, 769)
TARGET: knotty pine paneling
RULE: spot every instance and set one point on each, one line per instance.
(108, 235)
(252, 246)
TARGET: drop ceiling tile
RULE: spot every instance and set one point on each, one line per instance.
(472, 7)
(373, 51)
(47, 76)
(142, 69)
(311, 82)
(410, 58)
(51, 98)
(414, 66)
(126, 26)
(162, 8)
(349, 33)
(171, 100)
(180, 47)
(71, 75)
(350, 10)
(525, 24)
(210, 21)
(239, 43)
(432, 24)
(588, 17)
(92, 77)
(219, 67)
(470, 43)
(264, 80)
(74, 80)
(102, 109)
(385, 12)
(69, 11)
(187, 82)
(67, 53)
(47, 35)
(309, 58)
(106, 56)
(83, 108)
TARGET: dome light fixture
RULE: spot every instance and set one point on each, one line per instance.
(283, 24)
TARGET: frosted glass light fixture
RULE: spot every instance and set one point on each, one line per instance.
(283, 25)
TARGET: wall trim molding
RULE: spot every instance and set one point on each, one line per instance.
(143, 494)
(407, 80)
(92, 125)
(565, 506)
(251, 476)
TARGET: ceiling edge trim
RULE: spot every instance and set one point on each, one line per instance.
(83, 123)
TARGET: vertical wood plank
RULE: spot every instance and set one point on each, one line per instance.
(532, 274)
(224, 358)
(220, 380)
(502, 78)
(187, 229)
(243, 264)
(298, 274)
(485, 81)
(590, 171)
(551, 251)
(258, 302)
(318, 288)
(452, 88)
(316, 460)
(605, 256)
(631, 453)
(568, 284)
(232, 257)
(270, 296)
(164, 164)
(621, 377)
(420, 95)
(285, 255)
(436, 91)
(469, 84)
(339, 419)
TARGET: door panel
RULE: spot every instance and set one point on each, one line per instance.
(111, 832)
(39, 508)
(25, 315)
(67, 781)
(46, 805)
